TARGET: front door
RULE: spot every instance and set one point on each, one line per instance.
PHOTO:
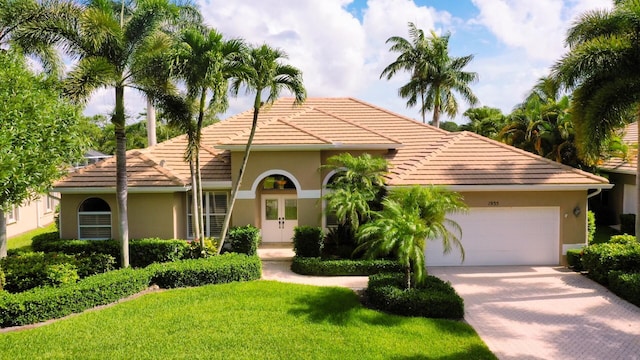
(279, 217)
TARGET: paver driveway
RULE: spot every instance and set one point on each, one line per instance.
(545, 313)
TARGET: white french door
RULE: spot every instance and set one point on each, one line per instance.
(279, 217)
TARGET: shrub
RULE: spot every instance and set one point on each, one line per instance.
(46, 303)
(96, 263)
(50, 242)
(628, 224)
(591, 226)
(434, 299)
(213, 270)
(145, 252)
(36, 269)
(600, 259)
(308, 241)
(574, 259)
(2, 279)
(623, 239)
(196, 251)
(319, 267)
(244, 239)
(626, 285)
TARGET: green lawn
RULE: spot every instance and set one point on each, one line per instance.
(254, 320)
(24, 240)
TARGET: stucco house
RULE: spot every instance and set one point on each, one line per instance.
(524, 209)
(622, 173)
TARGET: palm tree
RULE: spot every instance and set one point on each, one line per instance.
(204, 62)
(485, 121)
(106, 36)
(434, 74)
(357, 184)
(261, 71)
(409, 217)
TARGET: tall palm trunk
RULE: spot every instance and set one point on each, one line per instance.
(151, 123)
(408, 277)
(203, 99)
(121, 175)
(245, 159)
(195, 215)
(3, 235)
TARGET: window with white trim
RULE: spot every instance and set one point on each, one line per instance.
(215, 204)
(12, 215)
(94, 220)
(48, 204)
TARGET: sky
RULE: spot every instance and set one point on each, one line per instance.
(340, 44)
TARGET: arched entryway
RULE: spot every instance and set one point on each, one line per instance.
(278, 208)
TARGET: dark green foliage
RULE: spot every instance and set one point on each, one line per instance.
(46, 303)
(93, 264)
(591, 226)
(196, 251)
(308, 241)
(626, 285)
(2, 279)
(244, 239)
(600, 259)
(35, 269)
(142, 251)
(319, 267)
(628, 224)
(434, 298)
(213, 270)
(574, 259)
(145, 252)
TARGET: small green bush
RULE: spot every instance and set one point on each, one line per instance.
(144, 252)
(41, 304)
(93, 264)
(50, 242)
(196, 251)
(213, 270)
(434, 299)
(623, 239)
(308, 241)
(319, 267)
(244, 239)
(626, 285)
(628, 224)
(30, 270)
(2, 279)
(574, 259)
(591, 226)
(600, 259)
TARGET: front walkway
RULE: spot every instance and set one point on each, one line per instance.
(520, 312)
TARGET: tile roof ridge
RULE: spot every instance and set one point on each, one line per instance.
(358, 125)
(398, 115)
(286, 122)
(453, 137)
(150, 161)
(534, 156)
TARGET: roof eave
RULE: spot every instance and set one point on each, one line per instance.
(620, 171)
(314, 147)
(130, 189)
(538, 187)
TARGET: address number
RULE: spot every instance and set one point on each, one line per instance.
(494, 203)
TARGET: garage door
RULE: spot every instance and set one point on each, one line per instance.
(503, 236)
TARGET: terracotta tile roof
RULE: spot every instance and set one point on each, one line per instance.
(620, 165)
(418, 153)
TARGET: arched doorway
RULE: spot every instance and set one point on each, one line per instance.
(94, 219)
(279, 208)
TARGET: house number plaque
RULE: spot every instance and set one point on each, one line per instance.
(494, 203)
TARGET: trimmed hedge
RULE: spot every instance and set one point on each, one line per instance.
(308, 241)
(47, 303)
(319, 267)
(434, 299)
(574, 259)
(213, 270)
(600, 259)
(623, 239)
(31, 270)
(244, 239)
(142, 252)
(626, 285)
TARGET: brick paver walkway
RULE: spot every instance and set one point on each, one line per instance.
(545, 313)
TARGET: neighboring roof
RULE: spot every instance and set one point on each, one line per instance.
(620, 165)
(417, 153)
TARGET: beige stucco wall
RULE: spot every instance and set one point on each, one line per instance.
(303, 165)
(150, 215)
(31, 215)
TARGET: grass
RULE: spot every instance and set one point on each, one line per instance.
(254, 320)
(24, 240)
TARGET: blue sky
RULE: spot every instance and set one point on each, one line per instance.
(340, 44)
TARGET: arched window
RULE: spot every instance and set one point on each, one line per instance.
(94, 220)
(278, 182)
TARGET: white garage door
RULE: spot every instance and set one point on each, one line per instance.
(503, 236)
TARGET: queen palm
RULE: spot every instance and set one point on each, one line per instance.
(434, 74)
(602, 69)
(262, 71)
(409, 218)
(106, 36)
